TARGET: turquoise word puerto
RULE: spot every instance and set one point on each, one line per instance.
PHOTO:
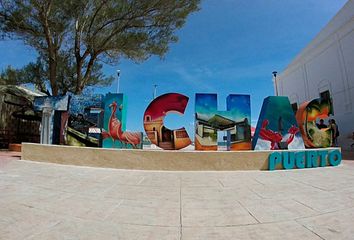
(304, 159)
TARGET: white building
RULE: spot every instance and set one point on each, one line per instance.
(325, 66)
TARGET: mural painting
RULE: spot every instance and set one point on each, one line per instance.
(114, 133)
(306, 116)
(85, 121)
(54, 115)
(98, 121)
(154, 127)
(277, 127)
(235, 121)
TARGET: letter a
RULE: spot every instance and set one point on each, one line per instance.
(277, 127)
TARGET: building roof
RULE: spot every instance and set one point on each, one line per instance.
(221, 122)
(19, 91)
(218, 122)
(22, 98)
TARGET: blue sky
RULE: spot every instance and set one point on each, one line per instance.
(229, 46)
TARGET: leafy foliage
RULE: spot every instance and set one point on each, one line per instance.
(9, 77)
(36, 73)
(72, 37)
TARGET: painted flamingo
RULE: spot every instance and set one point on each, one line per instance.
(275, 137)
(115, 129)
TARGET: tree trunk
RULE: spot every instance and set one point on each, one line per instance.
(79, 75)
(87, 75)
(79, 60)
(52, 48)
(53, 75)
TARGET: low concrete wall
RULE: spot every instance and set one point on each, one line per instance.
(147, 159)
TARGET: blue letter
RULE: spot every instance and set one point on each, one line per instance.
(274, 159)
(311, 159)
(300, 161)
(235, 121)
(335, 157)
(277, 127)
(323, 159)
(288, 160)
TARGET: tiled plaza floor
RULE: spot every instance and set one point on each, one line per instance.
(49, 201)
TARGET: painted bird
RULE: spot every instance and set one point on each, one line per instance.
(115, 129)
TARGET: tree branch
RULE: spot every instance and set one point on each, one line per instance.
(94, 16)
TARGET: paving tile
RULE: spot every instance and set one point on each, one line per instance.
(336, 225)
(274, 231)
(152, 203)
(207, 203)
(50, 201)
(126, 214)
(325, 204)
(93, 230)
(142, 192)
(218, 193)
(270, 210)
(227, 216)
(19, 222)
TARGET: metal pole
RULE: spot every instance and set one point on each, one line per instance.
(118, 74)
(275, 83)
(155, 90)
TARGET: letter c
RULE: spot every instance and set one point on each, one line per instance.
(154, 127)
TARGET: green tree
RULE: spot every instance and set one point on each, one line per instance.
(73, 38)
(36, 73)
(9, 76)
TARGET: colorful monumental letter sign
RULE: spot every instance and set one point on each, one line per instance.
(54, 116)
(277, 127)
(85, 121)
(303, 159)
(114, 134)
(235, 121)
(154, 127)
(307, 115)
